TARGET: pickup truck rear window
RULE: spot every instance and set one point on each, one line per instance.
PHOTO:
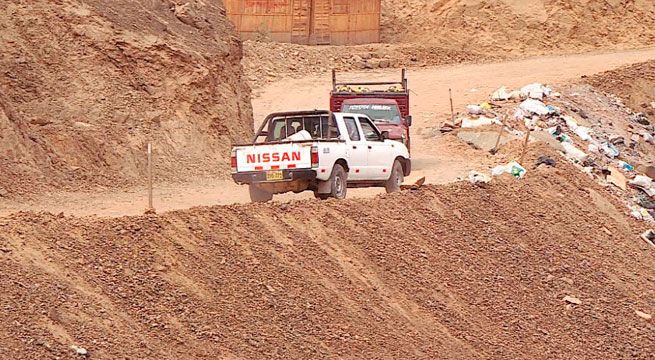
(387, 114)
(318, 127)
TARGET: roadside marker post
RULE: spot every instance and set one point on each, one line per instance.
(525, 145)
(452, 108)
(500, 135)
(150, 207)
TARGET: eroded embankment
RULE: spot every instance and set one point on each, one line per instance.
(456, 271)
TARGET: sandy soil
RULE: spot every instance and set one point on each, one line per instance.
(548, 267)
(442, 159)
(87, 84)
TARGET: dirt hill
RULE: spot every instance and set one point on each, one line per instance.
(456, 271)
(521, 26)
(85, 84)
(634, 84)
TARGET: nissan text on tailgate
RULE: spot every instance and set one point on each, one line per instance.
(319, 151)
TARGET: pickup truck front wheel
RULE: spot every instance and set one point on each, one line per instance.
(396, 179)
(259, 195)
(338, 184)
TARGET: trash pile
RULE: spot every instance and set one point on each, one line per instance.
(611, 159)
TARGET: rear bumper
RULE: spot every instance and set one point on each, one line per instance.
(254, 177)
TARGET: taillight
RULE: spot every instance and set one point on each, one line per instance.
(233, 161)
(314, 156)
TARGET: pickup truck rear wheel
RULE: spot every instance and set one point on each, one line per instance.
(396, 179)
(338, 184)
(259, 195)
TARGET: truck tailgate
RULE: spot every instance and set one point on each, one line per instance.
(274, 157)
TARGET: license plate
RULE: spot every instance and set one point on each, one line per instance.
(274, 175)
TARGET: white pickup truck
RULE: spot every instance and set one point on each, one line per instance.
(319, 151)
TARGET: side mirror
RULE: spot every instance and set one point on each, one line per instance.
(385, 135)
(409, 120)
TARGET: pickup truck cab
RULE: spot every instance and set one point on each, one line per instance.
(385, 102)
(319, 151)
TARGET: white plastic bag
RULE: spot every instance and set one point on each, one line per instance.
(573, 152)
(642, 181)
(609, 150)
(478, 178)
(536, 91)
(474, 109)
(482, 121)
(513, 168)
(534, 107)
(570, 122)
(501, 94)
(583, 133)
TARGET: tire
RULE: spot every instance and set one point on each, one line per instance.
(258, 195)
(395, 179)
(338, 184)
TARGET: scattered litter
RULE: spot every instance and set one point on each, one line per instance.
(640, 118)
(474, 109)
(642, 181)
(485, 106)
(536, 91)
(543, 159)
(625, 166)
(447, 126)
(80, 351)
(520, 114)
(513, 168)
(415, 186)
(534, 107)
(583, 133)
(572, 152)
(617, 140)
(482, 121)
(593, 148)
(644, 200)
(643, 315)
(570, 122)
(617, 178)
(478, 178)
(501, 94)
(649, 237)
(640, 213)
(552, 109)
(610, 150)
(572, 300)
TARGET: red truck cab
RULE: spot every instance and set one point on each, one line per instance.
(387, 103)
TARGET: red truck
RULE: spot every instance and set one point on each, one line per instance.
(387, 104)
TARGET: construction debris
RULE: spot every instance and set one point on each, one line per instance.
(572, 300)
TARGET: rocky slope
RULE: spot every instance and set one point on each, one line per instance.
(86, 84)
(513, 27)
(634, 85)
(545, 267)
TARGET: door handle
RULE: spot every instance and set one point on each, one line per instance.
(370, 147)
(354, 147)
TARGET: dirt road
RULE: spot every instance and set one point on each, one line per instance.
(439, 160)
